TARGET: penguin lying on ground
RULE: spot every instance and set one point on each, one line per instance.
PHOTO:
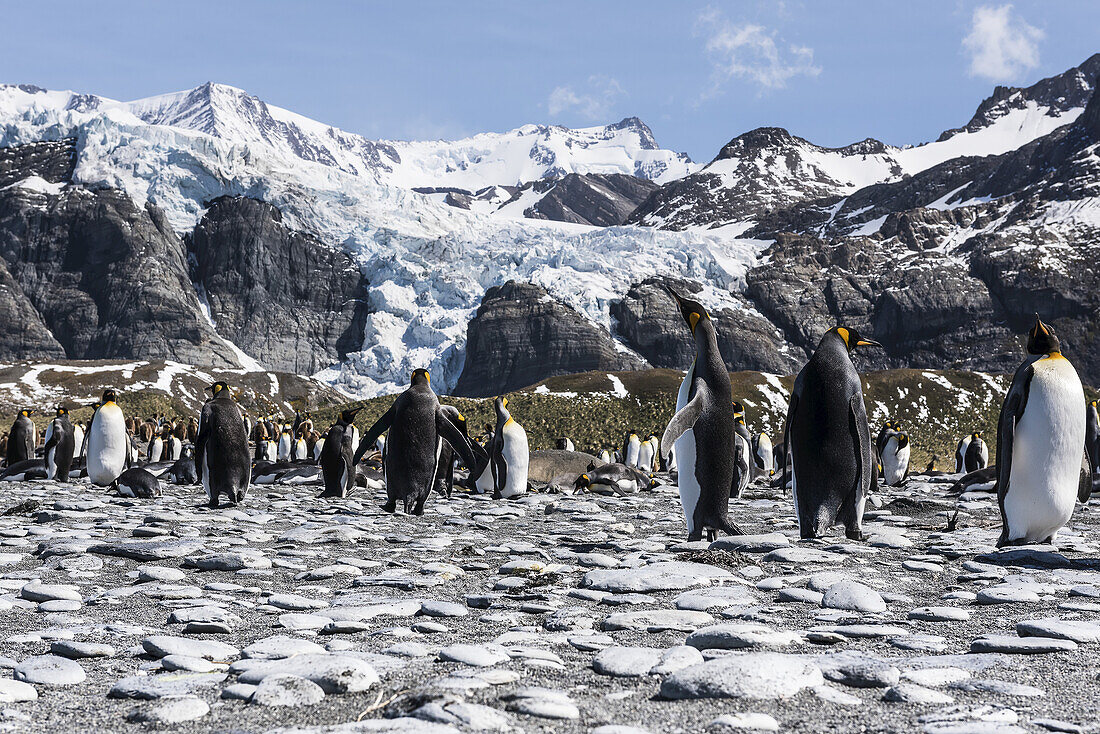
(183, 470)
(24, 471)
(618, 479)
(138, 482)
(564, 444)
(702, 431)
(828, 440)
(1040, 443)
(415, 426)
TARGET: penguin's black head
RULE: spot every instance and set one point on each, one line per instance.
(501, 403)
(1042, 339)
(420, 376)
(217, 387)
(692, 311)
(583, 482)
(109, 396)
(348, 416)
(738, 408)
(95, 406)
(853, 338)
(26, 412)
(62, 410)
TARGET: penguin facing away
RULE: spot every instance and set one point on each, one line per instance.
(1040, 437)
(60, 446)
(977, 453)
(702, 431)
(827, 439)
(221, 448)
(108, 442)
(21, 438)
(336, 454)
(415, 426)
(511, 455)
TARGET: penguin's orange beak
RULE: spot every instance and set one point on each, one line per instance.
(868, 343)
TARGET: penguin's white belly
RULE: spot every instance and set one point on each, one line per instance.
(300, 450)
(155, 450)
(765, 452)
(517, 456)
(284, 449)
(206, 474)
(645, 457)
(684, 450)
(894, 462)
(317, 447)
(175, 447)
(107, 445)
(1046, 453)
(270, 452)
(51, 465)
(633, 448)
(78, 440)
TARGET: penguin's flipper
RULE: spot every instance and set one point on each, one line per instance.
(792, 409)
(851, 509)
(1011, 412)
(683, 420)
(380, 426)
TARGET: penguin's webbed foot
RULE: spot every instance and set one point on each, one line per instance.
(854, 534)
(390, 507)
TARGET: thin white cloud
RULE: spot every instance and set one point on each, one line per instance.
(751, 51)
(1001, 44)
(594, 102)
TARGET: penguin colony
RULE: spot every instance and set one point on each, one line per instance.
(1048, 446)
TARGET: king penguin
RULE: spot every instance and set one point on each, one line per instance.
(1040, 437)
(645, 455)
(511, 456)
(109, 449)
(895, 458)
(221, 448)
(960, 453)
(977, 453)
(631, 448)
(60, 446)
(743, 452)
(1092, 436)
(416, 428)
(21, 438)
(763, 454)
(336, 455)
(702, 431)
(286, 444)
(828, 440)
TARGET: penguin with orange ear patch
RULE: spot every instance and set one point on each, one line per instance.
(703, 432)
(832, 460)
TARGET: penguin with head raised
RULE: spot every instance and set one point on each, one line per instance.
(702, 431)
(301, 447)
(108, 442)
(22, 438)
(60, 446)
(828, 440)
(1040, 436)
(221, 448)
(173, 446)
(645, 455)
(416, 428)
(444, 482)
(960, 453)
(510, 456)
(977, 453)
(286, 444)
(888, 427)
(337, 452)
(605, 456)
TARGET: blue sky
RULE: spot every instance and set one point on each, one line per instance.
(698, 73)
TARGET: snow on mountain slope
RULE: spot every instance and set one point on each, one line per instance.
(428, 263)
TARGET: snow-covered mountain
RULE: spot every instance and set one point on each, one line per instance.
(313, 249)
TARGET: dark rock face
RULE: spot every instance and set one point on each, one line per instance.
(282, 296)
(651, 324)
(602, 200)
(520, 336)
(51, 160)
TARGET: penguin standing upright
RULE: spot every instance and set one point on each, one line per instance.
(977, 453)
(960, 453)
(895, 458)
(828, 440)
(221, 448)
(645, 456)
(286, 445)
(155, 451)
(564, 444)
(510, 456)
(1040, 440)
(337, 451)
(742, 442)
(108, 442)
(702, 431)
(301, 450)
(78, 438)
(656, 452)
(60, 446)
(1092, 435)
(888, 428)
(631, 448)
(416, 429)
(605, 456)
(172, 446)
(21, 438)
(763, 454)
(445, 478)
